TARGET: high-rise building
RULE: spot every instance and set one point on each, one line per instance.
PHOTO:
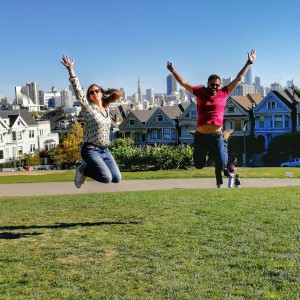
(140, 95)
(226, 81)
(243, 89)
(248, 77)
(66, 98)
(27, 96)
(171, 84)
(150, 95)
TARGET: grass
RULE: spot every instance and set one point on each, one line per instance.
(178, 244)
(57, 176)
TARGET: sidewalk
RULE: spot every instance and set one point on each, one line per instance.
(60, 188)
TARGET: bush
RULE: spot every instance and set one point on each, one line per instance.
(157, 157)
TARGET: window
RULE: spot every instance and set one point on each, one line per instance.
(1, 154)
(19, 135)
(16, 135)
(286, 121)
(230, 109)
(160, 118)
(278, 121)
(31, 133)
(271, 105)
(32, 147)
(237, 125)
(262, 121)
(167, 133)
(131, 122)
(154, 134)
(159, 134)
(194, 113)
(20, 151)
(1, 138)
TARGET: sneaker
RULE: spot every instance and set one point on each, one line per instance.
(227, 133)
(192, 133)
(79, 178)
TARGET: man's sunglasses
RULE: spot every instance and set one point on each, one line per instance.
(215, 85)
(94, 92)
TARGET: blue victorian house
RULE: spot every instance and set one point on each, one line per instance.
(273, 116)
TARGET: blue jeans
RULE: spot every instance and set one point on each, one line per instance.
(99, 164)
(216, 147)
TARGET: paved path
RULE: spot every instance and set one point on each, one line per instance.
(58, 188)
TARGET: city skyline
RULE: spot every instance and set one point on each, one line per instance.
(116, 43)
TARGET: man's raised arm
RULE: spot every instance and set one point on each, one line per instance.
(179, 78)
(251, 58)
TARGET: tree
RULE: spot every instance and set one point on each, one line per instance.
(69, 150)
(32, 160)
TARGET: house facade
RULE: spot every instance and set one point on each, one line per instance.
(273, 116)
(20, 134)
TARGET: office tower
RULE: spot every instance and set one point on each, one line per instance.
(123, 93)
(226, 81)
(290, 83)
(66, 98)
(140, 95)
(150, 95)
(276, 87)
(248, 77)
(257, 81)
(243, 89)
(171, 84)
(33, 92)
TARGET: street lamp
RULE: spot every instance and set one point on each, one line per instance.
(244, 154)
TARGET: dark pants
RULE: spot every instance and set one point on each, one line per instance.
(216, 147)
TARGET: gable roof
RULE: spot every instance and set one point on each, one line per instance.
(12, 115)
(142, 115)
(171, 111)
(248, 101)
(282, 101)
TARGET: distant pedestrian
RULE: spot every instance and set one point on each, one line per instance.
(211, 101)
(231, 172)
(237, 182)
(98, 163)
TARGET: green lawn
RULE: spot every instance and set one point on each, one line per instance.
(50, 176)
(178, 244)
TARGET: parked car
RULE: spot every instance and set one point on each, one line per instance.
(294, 162)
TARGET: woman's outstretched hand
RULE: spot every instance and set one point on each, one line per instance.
(67, 62)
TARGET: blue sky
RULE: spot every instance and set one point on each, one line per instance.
(114, 42)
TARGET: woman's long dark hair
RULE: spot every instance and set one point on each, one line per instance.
(108, 96)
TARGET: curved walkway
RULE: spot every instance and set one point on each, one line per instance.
(60, 188)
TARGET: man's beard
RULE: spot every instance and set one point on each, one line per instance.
(212, 91)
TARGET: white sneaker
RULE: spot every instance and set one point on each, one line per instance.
(79, 178)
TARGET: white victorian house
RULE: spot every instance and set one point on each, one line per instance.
(20, 133)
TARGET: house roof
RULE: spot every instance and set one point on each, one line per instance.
(13, 115)
(171, 111)
(284, 97)
(142, 115)
(247, 101)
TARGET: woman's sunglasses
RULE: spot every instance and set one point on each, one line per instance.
(94, 92)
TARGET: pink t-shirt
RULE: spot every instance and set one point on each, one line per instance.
(210, 108)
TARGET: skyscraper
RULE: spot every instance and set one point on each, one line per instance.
(140, 95)
(171, 84)
(248, 77)
(33, 92)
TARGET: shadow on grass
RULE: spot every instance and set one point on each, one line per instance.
(10, 236)
(14, 235)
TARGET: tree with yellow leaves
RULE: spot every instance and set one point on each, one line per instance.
(69, 149)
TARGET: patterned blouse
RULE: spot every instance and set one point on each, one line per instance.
(97, 126)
